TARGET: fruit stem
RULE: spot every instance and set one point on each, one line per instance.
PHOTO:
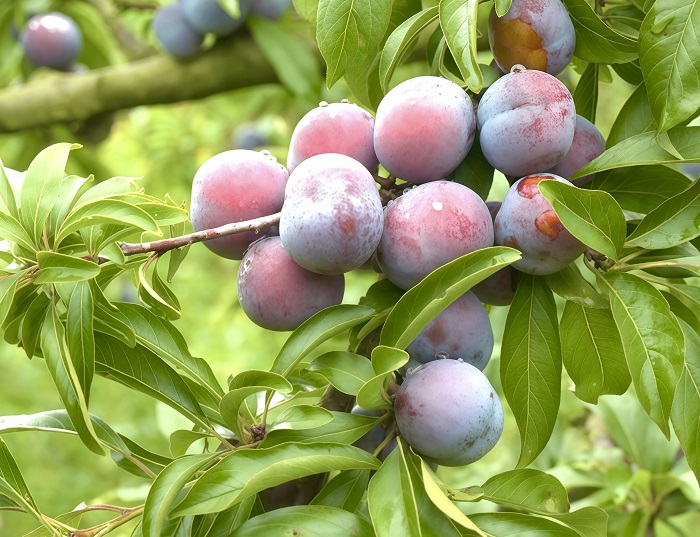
(389, 437)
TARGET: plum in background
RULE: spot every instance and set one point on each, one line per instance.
(52, 40)
(270, 9)
(587, 146)
(278, 294)
(207, 16)
(174, 33)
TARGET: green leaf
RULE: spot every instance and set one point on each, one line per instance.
(308, 9)
(569, 284)
(685, 412)
(668, 46)
(302, 417)
(458, 23)
(319, 328)
(344, 491)
(592, 216)
(60, 365)
(349, 31)
(593, 353)
(61, 268)
(345, 428)
(293, 62)
(81, 338)
(71, 189)
(181, 440)
(306, 520)
(346, 371)
(518, 524)
(641, 189)
(634, 118)
(422, 303)
(474, 171)
(142, 370)
(165, 490)
(13, 231)
(246, 472)
(596, 42)
(531, 365)
(384, 361)
(653, 342)
(586, 522)
(629, 72)
(643, 149)
(527, 489)
(401, 42)
(502, 7)
(586, 93)
(156, 295)
(8, 285)
(11, 475)
(227, 521)
(7, 196)
(41, 188)
(106, 211)
(675, 221)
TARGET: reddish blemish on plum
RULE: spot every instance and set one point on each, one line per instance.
(548, 223)
(528, 186)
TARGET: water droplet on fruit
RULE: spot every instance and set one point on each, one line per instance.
(437, 206)
(442, 356)
(322, 104)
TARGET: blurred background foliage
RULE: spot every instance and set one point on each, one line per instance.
(164, 145)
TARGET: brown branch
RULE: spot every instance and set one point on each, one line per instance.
(165, 245)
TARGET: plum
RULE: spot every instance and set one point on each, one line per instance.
(207, 16)
(448, 412)
(537, 34)
(428, 226)
(249, 136)
(52, 40)
(174, 33)
(270, 9)
(528, 223)
(424, 128)
(278, 294)
(499, 288)
(462, 330)
(587, 146)
(334, 128)
(332, 215)
(234, 186)
(526, 122)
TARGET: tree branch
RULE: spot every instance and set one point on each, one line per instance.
(65, 97)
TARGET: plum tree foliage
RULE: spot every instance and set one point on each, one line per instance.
(592, 255)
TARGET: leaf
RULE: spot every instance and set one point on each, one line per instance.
(106, 211)
(643, 149)
(423, 302)
(41, 187)
(13, 231)
(345, 428)
(7, 196)
(653, 343)
(344, 491)
(531, 365)
(596, 42)
(634, 118)
(302, 417)
(308, 9)
(306, 520)
(586, 93)
(32, 322)
(142, 370)
(641, 189)
(165, 490)
(458, 23)
(675, 221)
(319, 328)
(346, 371)
(569, 284)
(156, 295)
(246, 472)
(502, 7)
(11, 476)
(593, 353)
(401, 42)
(586, 522)
(230, 519)
(527, 489)
(181, 440)
(81, 338)
(592, 216)
(474, 171)
(349, 31)
(668, 46)
(60, 268)
(384, 361)
(518, 524)
(71, 188)
(685, 412)
(60, 365)
(8, 285)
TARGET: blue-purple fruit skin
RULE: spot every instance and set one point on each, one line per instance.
(332, 217)
(526, 122)
(207, 16)
(270, 9)
(461, 331)
(527, 222)
(499, 288)
(587, 146)
(52, 40)
(449, 413)
(428, 226)
(278, 294)
(424, 128)
(234, 186)
(537, 34)
(334, 128)
(174, 33)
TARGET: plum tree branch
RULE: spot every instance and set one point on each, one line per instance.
(232, 63)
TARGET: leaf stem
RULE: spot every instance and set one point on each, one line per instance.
(387, 440)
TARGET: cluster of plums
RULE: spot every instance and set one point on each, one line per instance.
(52, 40)
(180, 27)
(333, 219)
